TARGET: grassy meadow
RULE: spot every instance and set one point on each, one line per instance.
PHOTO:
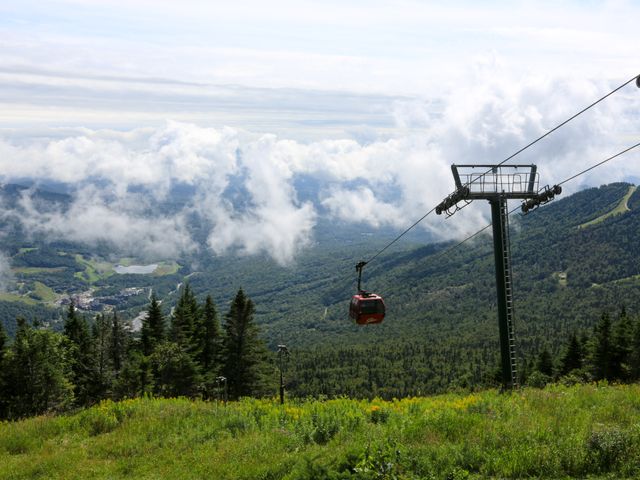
(559, 432)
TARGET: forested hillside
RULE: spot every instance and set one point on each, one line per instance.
(441, 328)
(571, 262)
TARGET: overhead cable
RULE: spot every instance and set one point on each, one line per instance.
(600, 163)
(453, 247)
(635, 77)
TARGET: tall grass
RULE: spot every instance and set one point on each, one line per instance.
(558, 432)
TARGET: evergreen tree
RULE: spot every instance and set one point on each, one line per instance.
(101, 334)
(118, 344)
(75, 326)
(621, 347)
(3, 392)
(174, 371)
(573, 356)
(135, 377)
(152, 332)
(38, 373)
(3, 341)
(601, 352)
(76, 330)
(185, 321)
(209, 356)
(524, 370)
(244, 352)
(545, 363)
(634, 355)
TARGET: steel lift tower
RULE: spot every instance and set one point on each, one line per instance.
(498, 184)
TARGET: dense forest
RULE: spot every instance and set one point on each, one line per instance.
(194, 356)
(609, 351)
(575, 266)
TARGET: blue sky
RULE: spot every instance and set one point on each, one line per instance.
(383, 95)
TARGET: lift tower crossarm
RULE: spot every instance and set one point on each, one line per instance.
(511, 181)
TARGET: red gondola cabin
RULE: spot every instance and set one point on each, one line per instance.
(367, 308)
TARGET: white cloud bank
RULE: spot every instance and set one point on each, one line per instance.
(121, 222)
(385, 182)
(6, 275)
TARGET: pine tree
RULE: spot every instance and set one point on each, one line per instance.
(174, 371)
(135, 377)
(3, 379)
(3, 342)
(621, 347)
(545, 363)
(75, 326)
(601, 352)
(244, 352)
(209, 353)
(76, 330)
(38, 372)
(101, 335)
(117, 348)
(573, 357)
(185, 321)
(209, 356)
(152, 327)
(524, 370)
(634, 355)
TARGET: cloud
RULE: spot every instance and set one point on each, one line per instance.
(122, 223)
(6, 275)
(291, 69)
(274, 221)
(361, 205)
(281, 234)
(244, 184)
(484, 121)
(110, 167)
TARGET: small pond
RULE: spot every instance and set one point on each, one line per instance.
(136, 269)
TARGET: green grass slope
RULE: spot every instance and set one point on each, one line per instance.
(620, 209)
(560, 432)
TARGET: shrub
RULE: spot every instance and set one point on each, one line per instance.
(607, 448)
(378, 414)
(538, 380)
(237, 424)
(98, 420)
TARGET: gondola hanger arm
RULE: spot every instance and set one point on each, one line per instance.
(359, 267)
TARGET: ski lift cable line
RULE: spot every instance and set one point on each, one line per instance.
(401, 235)
(574, 116)
(562, 124)
(448, 250)
(453, 247)
(600, 163)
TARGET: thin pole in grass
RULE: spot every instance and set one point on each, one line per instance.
(222, 386)
(283, 356)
